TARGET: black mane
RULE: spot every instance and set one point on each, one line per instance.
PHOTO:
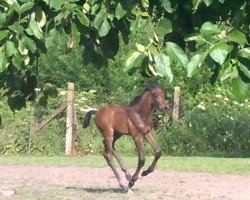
(136, 99)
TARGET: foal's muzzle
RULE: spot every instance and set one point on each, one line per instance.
(164, 109)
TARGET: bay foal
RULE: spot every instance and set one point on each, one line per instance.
(135, 119)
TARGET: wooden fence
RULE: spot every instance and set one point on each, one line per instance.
(71, 119)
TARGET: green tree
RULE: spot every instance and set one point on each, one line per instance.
(214, 32)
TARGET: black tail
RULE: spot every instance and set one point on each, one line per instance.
(87, 118)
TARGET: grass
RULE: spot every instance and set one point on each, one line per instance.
(190, 164)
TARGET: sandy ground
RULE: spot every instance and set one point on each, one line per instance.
(36, 182)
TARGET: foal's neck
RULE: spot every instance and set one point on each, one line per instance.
(145, 104)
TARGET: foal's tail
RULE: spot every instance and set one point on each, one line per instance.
(87, 118)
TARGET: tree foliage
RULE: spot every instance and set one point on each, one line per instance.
(214, 32)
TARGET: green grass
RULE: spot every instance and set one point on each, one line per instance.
(190, 164)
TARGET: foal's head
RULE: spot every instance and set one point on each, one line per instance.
(159, 100)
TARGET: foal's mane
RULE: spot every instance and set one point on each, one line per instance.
(137, 99)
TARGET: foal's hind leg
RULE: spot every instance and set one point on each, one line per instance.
(119, 160)
(122, 165)
(108, 155)
(149, 137)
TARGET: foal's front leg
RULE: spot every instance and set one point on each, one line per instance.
(141, 159)
(150, 138)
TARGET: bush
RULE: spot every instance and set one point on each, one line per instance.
(216, 124)
(14, 137)
(50, 140)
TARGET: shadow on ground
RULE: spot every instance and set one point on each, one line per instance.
(97, 190)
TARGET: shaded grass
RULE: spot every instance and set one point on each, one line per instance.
(189, 164)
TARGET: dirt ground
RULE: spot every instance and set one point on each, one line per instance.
(36, 182)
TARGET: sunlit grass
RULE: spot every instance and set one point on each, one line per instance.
(191, 164)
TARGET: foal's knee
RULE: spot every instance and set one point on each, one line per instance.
(158, 153)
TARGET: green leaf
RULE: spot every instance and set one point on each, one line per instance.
(208, 2)
(226, 72)
(140, 47)
(219, 52)
(59, 18)
(70, 7)
(46, 1)
(99, 19)
(238, 37)
(40, 18)
(105, 27)
(33, 28)
(83, 19)
(164, 27)
(245, 53)
(56, 4)
(17, 60)
(119, 11)
(222, 1)
(3, 34)
(195, 37)
(17, 7)
(50, 39)
(162, 66)
(134, 60)
(151, 71)
(17, 28)
(177, 54)
(244, 69)
(76, 34)
(26, 6)
(3, 62)
(135, 25)
(10, 48)
(235, 72)
(167, 6)
(194, 63)
(196, 4)
(209, 28)
(2, 19)
(30, 44)
(86, 7)
(240, 88)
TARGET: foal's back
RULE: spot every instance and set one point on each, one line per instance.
(113, 118)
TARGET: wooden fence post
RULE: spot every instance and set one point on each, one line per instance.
(30, 130)
(70, 121)
(176, 106)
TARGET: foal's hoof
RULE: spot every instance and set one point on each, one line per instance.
(124, 187)
(146, 172)
(131, 183)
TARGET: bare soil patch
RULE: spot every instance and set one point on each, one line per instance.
(37, 182)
